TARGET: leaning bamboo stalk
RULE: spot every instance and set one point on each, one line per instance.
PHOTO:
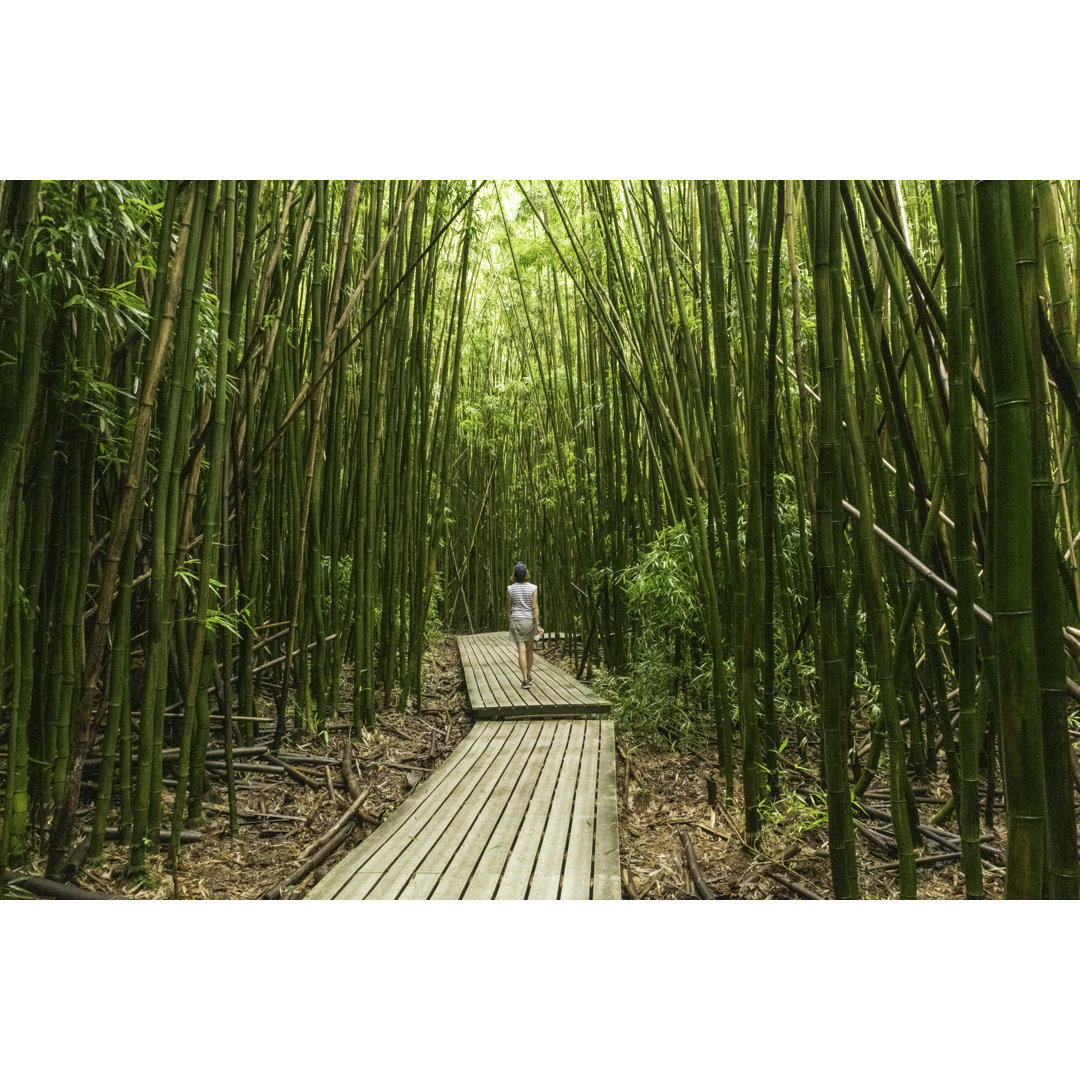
(945, 588)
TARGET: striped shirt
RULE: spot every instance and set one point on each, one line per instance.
(521, 594)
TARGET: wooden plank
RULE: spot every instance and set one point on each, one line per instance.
(494, 686)
(531, 798)
(550, 683)
(500, 805)
(551, 688)
(475, 682)
(472, 686)
(499, 695)
(518, 871)
(357, 887)
(499, 662)
(547, 873)
(606, 882)
(577, 874)
(462, 825)
(502, 693)
(481, 887)
(489, 694)
(453, 769)
(401, 856)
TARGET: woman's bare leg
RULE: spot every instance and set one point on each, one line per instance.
(523, 663)
(528, 660)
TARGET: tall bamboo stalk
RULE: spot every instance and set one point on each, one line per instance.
(1011, 532)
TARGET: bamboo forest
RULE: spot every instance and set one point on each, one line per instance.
(794, 465)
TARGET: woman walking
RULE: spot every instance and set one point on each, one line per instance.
(523, 614)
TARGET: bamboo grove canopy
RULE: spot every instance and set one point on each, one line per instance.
(794, 461)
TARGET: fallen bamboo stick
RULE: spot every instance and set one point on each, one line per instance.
(316, 860)
(700, 887)
(295, 773)
(306, 759)
(173, 752)
(923, 860)
(795, 887)
(295, 653)
(877, 839)
(257, 814)
(54, 890)
(341, 822)
(330, 842)
(187, 836)
(352, 784)
(335, 798)
(397, 765)
(940, 836)
(244, 766)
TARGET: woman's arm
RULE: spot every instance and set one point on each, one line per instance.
(509, 603)
(536, 610)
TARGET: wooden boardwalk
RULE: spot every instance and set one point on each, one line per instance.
(493, 680)
(523, 809)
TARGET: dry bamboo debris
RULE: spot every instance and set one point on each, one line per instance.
(662, 822)
(319, 850)
(700, 887)
(942, 837)
(353, 812)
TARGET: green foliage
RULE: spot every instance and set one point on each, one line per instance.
(661, 588)
(800, 816)
(662, 694)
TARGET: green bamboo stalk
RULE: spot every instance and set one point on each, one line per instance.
(1011, 547)
(825, 236)
(1062, 868)
(192, 747)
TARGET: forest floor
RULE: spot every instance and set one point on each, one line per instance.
(664, 816)
(663, 808)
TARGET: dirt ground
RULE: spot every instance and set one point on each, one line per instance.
(663, 798)
(666, 819)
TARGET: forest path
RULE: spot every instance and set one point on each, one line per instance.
(522, 809)
(493, 680)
